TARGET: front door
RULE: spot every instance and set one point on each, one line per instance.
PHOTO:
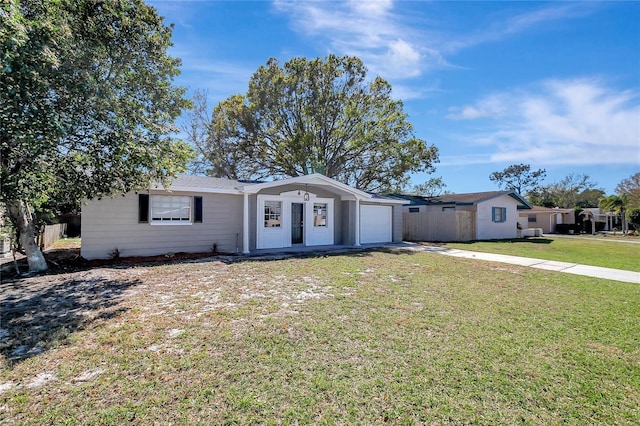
(297, 231)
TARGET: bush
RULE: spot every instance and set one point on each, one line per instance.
(633, 215)
(564, 228)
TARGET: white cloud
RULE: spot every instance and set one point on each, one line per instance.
(367, 29)
(403, 47)
(578, 121)
(499, 29)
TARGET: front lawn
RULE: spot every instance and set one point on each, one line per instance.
(586, 251)
(371, 338)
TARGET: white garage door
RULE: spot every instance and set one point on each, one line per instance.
(375, 224)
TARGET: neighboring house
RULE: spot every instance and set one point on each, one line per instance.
(198, 213)
(462, 217)
(546, 218)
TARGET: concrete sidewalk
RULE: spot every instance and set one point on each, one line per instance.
(550, 265)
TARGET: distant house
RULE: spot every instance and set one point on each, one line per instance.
(198, 213)
(462, 217)
(546, 218)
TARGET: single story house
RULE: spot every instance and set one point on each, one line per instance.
(545, 218)
(462, 217)
(200, 214)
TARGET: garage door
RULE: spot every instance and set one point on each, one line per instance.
(375, 224)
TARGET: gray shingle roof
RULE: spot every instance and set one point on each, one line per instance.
(460, 199)
(190, 181)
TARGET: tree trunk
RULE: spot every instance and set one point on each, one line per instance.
(22, 219)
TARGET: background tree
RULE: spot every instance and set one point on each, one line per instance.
(589, 197)
(572, 191)
(631, 188)
(431, 188)
(86, 105)
(519, 178)
(633, 215)
(616, 204)
(319, 115)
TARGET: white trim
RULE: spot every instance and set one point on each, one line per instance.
(312, 179)
(357, 244)
(170, 223)
(280, 237)
(245, 223)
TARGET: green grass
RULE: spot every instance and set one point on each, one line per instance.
(65, 243)
(379, 338)
(584, 251)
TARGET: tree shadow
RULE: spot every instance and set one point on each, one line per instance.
(37, 315)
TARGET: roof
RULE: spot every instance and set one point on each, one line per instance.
(206, 184)
(541, 209)
(465, 199)
(203, 184)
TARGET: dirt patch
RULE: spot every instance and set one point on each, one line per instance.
(69, 260)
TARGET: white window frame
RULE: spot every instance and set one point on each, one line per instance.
(323, 208)
(278, 212)
(181, 201)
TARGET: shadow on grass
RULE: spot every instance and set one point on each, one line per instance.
(36, 316)
(514, 240)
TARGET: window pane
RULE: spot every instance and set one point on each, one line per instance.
(319, 214)
(170, 208)
(272, 214)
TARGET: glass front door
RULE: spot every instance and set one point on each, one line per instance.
(297, 231)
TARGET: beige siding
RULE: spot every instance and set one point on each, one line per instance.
(397, 224)
(112, 223)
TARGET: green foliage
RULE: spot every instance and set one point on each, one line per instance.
(519, 178)
(86, 105)
(319, 115)
(631, 188)
(574, 190)
(431, 188)
(87, 101)
(633, 216)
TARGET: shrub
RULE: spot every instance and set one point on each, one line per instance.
(633, 215)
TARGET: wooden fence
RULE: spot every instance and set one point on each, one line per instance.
(50, 234)
(438, 226)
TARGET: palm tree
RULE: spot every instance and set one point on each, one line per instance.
(616, 204)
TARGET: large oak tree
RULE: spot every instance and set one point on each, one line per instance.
(86, 104)
(321, 115)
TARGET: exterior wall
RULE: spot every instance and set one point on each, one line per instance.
(348, 214)
(545, 221)
(486, 229)
(112, 223)
(397, 224)
(311, 235)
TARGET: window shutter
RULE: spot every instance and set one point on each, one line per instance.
(143, 208)
(504, 214)
(493, 214)
(197, 209)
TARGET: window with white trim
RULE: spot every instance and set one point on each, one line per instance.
(272, 214)
(170, 208)
(499, 214)
(320, 214)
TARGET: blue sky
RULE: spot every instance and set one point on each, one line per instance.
(552, 84)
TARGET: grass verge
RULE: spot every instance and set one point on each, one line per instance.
(607, 254)
(366, 338)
